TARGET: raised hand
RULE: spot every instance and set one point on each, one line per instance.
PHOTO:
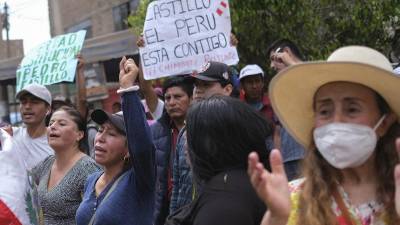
(81, 62)
(140, 41)
(285, 56)
(397, 179)
(8, 129)
(271, 187)
(233, 40)
(128, 72)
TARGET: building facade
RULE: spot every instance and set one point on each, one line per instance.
(108, 38)
(11, 53)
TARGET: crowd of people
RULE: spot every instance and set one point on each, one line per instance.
(318, 146)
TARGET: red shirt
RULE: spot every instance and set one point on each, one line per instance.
(174, 139)
(266, 109)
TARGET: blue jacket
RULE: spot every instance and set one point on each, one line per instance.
(162, 135)
(182, 190)
(132, 201)
(292, 153)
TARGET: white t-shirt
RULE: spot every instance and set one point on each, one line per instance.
(33, 151)
(159, 110)
(20, 153)
(397, 71)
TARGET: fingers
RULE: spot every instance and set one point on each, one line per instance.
(233, 40)
(81, 61)
(397, 177)
(398, 146)
(122, 63)
(252, 162)
(255, 167)
(130, 65)
(277, 57)
(397, 187)
(255, 170)
(140, 42)
(8, 129)
(275, 159)
(252, 169)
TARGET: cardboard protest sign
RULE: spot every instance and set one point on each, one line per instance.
(182, 35)
(51, 62)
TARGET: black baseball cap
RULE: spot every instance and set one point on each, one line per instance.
(213, 71)
(117, 119)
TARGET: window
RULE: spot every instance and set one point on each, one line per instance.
(121, 13)
(134, 4)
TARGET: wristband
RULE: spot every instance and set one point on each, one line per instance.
(129, 89)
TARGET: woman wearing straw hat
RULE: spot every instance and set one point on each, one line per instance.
(345, 114)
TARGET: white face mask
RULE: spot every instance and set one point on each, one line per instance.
(346, 145)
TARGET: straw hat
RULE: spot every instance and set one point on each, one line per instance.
(292, 91)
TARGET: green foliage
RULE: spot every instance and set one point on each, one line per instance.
(317, 27)
(136, 19)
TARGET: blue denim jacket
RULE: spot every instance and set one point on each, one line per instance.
(292, 153)
(182, 190)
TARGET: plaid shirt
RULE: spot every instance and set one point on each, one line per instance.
(182, 188)
(292, 152)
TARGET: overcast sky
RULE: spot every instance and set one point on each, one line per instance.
(29, 20)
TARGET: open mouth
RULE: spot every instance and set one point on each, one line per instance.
(174, 110)
(99, 149)
(28, 114)
(53, 135)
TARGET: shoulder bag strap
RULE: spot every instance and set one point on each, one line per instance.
(107, 195)
(342, 206)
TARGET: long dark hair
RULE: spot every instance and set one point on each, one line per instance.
(221, 132)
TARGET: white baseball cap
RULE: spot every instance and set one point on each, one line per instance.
(251, 70)
(36, 90)
(397, 71)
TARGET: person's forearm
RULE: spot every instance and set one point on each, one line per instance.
(148, 91)
(140, 143)
(81, 93)
(271, 220)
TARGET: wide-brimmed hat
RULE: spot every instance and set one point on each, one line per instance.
(292, 91)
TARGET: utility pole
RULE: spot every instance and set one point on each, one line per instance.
(6, 25)
(4, 106)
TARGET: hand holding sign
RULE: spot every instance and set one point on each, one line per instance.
(233, 40)
(140, 41)
(182, 36)
(8, 129)
(397, 179)
(51, 62)
(81, 62)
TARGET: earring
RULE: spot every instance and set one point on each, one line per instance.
(127, 158)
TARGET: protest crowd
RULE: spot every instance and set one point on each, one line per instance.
(318, 144)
